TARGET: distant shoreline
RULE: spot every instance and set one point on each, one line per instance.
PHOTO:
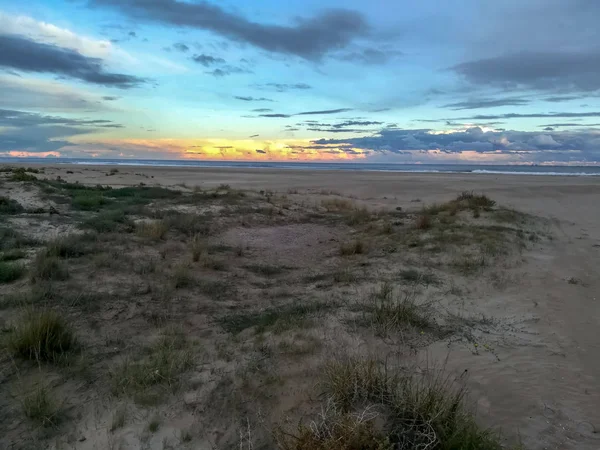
(321, 166)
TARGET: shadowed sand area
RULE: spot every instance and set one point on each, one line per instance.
(508, 291)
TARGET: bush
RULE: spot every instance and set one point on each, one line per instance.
(356, 247)
(88, 201)
(374, 408)
(9, 206)
(48, 268)
(39, 405)
(71, 246)
(10, 272)
(109, 221)
(20, 174)
(423, 222)
(155, 230)
(42, 335)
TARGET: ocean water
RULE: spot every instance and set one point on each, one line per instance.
(418, 168)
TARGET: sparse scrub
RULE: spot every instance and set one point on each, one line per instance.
(42, 335)
(46, 267)
(189, 224)
(182, 277)
(370, 407)
(423, 222)
(109, 221)
(415, 277)
(388, 311)
(266, 270)
(163, 365)
(155, 230)
(88, 201)
(355, 247)
(198, 247)
(344, 275)
(70, 246)
(277, 319)
(9, 206)
(12, 255)
(39, 405)
(10, 272)
(20, 174)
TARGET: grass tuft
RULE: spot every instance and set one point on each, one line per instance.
(48, 268)
(9, 206)
(40, 406)
(42, 335)
(155, 230)
(10, 272)
(355, 247)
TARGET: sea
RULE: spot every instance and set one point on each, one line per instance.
(349, 166)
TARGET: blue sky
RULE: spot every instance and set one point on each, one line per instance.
(399, 81)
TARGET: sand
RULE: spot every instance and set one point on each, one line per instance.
(541, 381)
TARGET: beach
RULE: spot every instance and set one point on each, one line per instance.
(529, 346)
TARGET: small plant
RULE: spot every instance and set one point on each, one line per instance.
(48, 268)
(42, 335)
(266, 270)
(40, 406)
(71, 246)
(182, 276)
(155, 230)
(154, 424)
(12, 255)
(423, 222)
(119, 418)
(10, 272)
(20, 174)
(198, 247)
(9, 206)
(355, 247)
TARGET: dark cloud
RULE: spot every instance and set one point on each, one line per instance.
(571, 124)
(110, 98)
(283, 87)
(338, 130)
(253, 99)
(356, 123)
(29, 56)
(260, 151)
(255, 135)
(207, 60)
(262, 110)
(39, 133)
(540, 70)
(368, 56)
(307, 38)
(562, 98)
(275, 115)
(486, 103)
(524, 116)
(227, 70)
(326, 111)
(585, 144)
(132, 34)
(181, 47)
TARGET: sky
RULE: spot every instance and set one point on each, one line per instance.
(383, 81)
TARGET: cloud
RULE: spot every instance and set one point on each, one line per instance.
(524, 116)
(308, 38)
(132, 34)
(283, 87)
(369, 56)
(539, 70)
(227, 70)
(255, 135)
(486, 103)
(356, 123)
(275, 115)
(110, 98)
(326, 111)
(22, 54)
(253, 99)
(260, 151)
(207, 60)
(39, 133)
(585, 144)
(51, 34)
(262, 110)
(562, 98)
(181, 47)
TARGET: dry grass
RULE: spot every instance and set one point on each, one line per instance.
(47, 268)
(42, 335)
(154, 231)
(423, 222)
(40, 406)
(373, 407)
(355, 247)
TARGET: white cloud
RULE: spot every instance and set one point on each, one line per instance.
(51, 34)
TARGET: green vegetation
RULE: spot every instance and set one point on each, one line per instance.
(12, 255)
(10, 272)
(40, 406)
(42, 335)
(47, 267)
(276, 319)
(9, 206)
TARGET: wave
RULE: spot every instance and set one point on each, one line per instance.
(526, 172)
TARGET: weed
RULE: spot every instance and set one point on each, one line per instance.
(423, 222)
(166, 360)
(9, 206)
(48, 268)
(397, 411)
(70, 246)
(198, 247)
(355, 247)
(10, 272)
(182, 277)
(40, 406)
(155, 230)
(266, 270)
(119, 418)
(277, 319)
(42, 335)
(12, 255)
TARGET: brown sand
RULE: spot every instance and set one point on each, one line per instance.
(543, 379)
